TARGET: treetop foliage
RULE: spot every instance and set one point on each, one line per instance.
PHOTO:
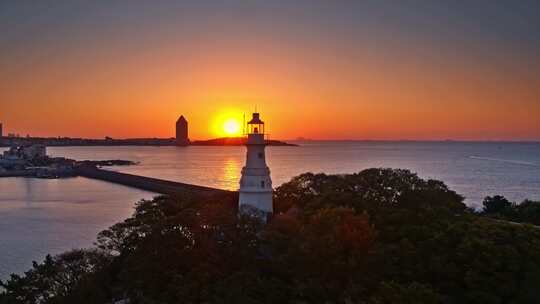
(380, 236)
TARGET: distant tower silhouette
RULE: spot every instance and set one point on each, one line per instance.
(1, 130)
(182, 138)
(255, 184)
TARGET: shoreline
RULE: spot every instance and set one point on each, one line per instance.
(288, 143)
(155, 142)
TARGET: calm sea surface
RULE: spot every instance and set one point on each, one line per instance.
(39, 216)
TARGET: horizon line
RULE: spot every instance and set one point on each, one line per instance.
(299, 139)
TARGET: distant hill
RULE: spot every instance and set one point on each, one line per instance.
(67, 141)
(234, 141)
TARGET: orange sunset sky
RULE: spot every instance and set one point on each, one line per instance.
(327, 70)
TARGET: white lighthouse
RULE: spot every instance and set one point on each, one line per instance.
(255, 184)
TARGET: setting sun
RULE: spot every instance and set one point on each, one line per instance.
(231, 127)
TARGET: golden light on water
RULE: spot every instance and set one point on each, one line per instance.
(230, 173)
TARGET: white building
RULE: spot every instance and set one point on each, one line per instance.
(255, 184)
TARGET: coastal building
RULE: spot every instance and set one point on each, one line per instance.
(30, 152)
(17, 157)
(255, 183)
(12, 160)
(34, 152)
(182, 138)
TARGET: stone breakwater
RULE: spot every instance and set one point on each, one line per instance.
(148, 183)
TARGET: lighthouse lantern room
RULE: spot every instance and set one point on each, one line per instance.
(255, 183)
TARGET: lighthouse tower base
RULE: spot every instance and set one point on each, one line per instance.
(261, 201)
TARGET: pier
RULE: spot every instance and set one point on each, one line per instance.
(148, 183)
(17, 173)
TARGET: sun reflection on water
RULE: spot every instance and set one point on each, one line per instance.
(230, 173)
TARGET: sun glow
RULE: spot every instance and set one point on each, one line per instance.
(231, 126)
(226, 122)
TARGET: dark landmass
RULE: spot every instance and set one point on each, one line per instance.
(17, 173)
(104, 163)
(54, 167)
(68, 141)
(380, 236)
(414, 141)
(234, 141)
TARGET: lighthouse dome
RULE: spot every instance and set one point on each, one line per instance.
(255, 120)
